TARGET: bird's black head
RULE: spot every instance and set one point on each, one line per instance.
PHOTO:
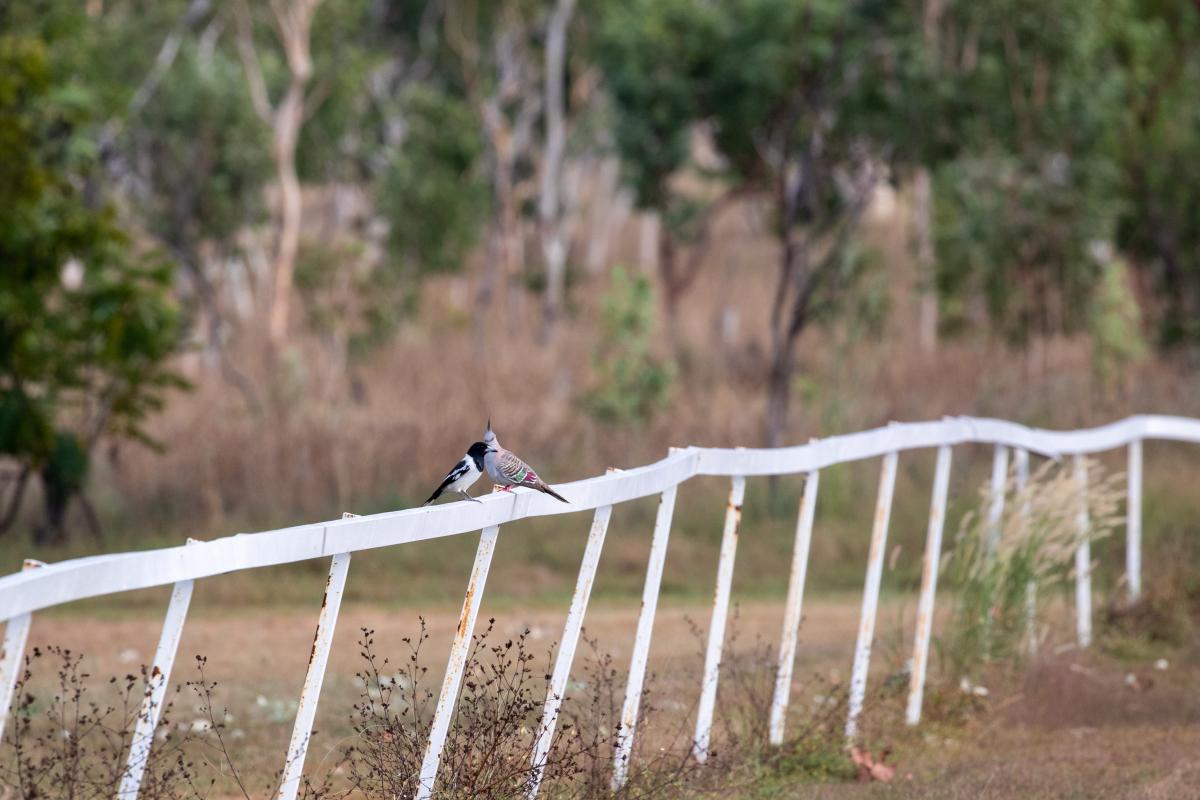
(477, 451)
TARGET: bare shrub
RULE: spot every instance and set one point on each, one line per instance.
(75, 741)
(487, 752)
(69, 744)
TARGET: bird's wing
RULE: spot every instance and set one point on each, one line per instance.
(459, 470)
(516, 470)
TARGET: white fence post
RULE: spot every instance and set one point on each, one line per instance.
(156, 689)
(792, 610)
(1083, 559)
(870, 603)
(716, 628)
(457, 662)
(1133, 521)
(1021, 456)
(929, 577)
(623, 748)
(307, 709)
(996, 509)
(566, 648)
(16, 633)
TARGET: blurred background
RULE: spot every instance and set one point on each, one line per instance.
(264, 262)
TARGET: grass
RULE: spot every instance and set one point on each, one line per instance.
(1069, 726)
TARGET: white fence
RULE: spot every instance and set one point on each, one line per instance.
(40, 586)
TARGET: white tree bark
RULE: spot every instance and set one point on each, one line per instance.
(553, 226)
(293, 25)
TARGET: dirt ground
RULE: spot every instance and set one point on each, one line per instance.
(1074, 725)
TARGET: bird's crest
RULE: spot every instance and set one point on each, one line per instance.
(488, 435)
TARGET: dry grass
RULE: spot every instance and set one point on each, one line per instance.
(328, 435)
(1073, 725)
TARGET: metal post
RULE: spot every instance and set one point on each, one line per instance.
(929, 576)
(16, 633)
(792, 611)
(641, 643)
(1083, 560)
(866, 626)
(996, 509)
(716, 628)
(1133, 521)
(566, 650)
(307, 710)
(156, 689)
(459, 651)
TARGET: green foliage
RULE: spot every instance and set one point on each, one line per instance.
(434, 198)
(1116, 325)
(203, 153)
(433, 194)
(1157, 54)
(86, 324)
(1019, 232)
(633, 383)
(1031, 185)
(656, 57)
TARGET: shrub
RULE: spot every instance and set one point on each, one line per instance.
(1003, 573)
(633, 382)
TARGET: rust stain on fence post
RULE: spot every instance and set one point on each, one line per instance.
(929, 576)
(456, 663)
(566, 650)
(793, 608)
(641, 643)
(142, 741)
(716, 628)
(318, 658)
(16, 633)
(870, 603)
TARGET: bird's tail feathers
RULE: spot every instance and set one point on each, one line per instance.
(553, 493)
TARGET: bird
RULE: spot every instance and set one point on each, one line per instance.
(507, 470)
(463, 476)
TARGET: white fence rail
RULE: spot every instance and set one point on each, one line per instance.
(34, 589)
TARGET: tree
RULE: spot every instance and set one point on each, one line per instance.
(796, 111)
(656, 56)
(1031, 189)
(201, 156)
(499, 74)
(293, 21)
(86, 324)
(1156, 50)
(550, 213)
(786, 89)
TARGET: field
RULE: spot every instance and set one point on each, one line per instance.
(1068, 727)
(1066, 724)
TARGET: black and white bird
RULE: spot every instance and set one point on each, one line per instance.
(464, 474)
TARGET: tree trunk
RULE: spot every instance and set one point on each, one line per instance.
(554, 245)
(779, 390)
(927, 314)
(14, 501)
(293, 26)
(667, 264)
(289, 118)
(289, 231)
